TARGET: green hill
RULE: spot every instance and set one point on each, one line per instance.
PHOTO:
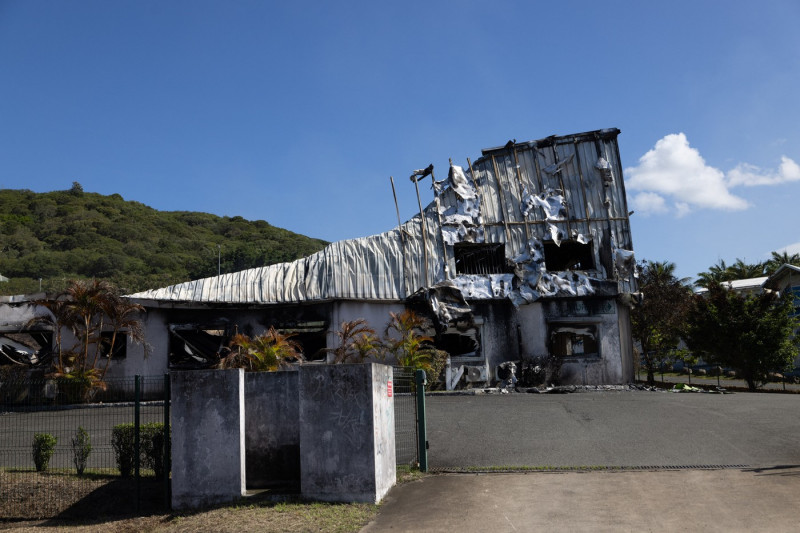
(63, 235)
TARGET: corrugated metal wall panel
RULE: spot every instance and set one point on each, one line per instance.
(390, 267)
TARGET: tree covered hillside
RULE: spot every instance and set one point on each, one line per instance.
(75, 234)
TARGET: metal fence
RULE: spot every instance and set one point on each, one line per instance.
(405, 417)
(62, 409)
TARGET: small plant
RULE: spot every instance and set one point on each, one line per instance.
(122, 440)
(43, 446)
(81, 448)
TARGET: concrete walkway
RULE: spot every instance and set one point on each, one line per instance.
(685, 500)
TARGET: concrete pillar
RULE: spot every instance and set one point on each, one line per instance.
(347, 435)
(272, 434)
(208, 422)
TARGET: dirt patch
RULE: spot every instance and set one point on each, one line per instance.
(108, 504)
(30, 495)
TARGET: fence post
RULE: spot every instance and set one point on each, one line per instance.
(167, 445)
(422, 432)
(136, 399)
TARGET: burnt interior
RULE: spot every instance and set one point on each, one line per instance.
(571, 255)
(480, 259)
(577, 340)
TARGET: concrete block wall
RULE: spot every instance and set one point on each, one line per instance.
(346, 432)
(208, 422)
(272, 434)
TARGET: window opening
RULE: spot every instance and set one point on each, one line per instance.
(480, 258)
(120, 350)
(571, 255)
(574, 341)
(195, 348)
(25, 348)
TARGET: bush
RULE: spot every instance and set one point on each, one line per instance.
(43, 446)
(151, 447)
(81, 448)
(122, 440)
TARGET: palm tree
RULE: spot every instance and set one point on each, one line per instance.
(409, 344)
(88, 300)
(123, 317)
(779, 259)
(59, 317)
(742, 270)
(716, 274)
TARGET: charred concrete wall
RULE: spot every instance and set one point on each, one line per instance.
(272, 434)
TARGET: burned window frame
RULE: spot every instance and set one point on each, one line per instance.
(480, 258)
(175, 335)
(569, 255)
(463, 330)
(120, 351)
(573, 328)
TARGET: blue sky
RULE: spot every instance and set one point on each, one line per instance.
(298, 112)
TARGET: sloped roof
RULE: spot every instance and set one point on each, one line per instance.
(520, 194)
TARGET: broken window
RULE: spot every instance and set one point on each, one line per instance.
(120, 349)
(480, 258)
(459, 343)
(571, 255)
(25, 348)
(574, 341)
(196, 347)
(311, 336)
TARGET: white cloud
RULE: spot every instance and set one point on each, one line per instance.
(790, 249)
(675, 170)
(649, 203)
(750, 175)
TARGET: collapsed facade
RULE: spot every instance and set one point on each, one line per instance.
(524, 253)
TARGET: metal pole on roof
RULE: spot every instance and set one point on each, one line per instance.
(219, 260)
(415, 178)
(441, 226)
(402, 237)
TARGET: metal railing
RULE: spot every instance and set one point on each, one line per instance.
(30, 408)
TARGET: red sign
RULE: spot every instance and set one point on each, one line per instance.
(389, 388)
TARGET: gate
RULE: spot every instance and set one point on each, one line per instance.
(405, 417)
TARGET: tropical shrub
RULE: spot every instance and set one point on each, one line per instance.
(265, 353)
(357, 343)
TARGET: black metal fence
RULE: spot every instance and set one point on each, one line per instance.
(405, 417)
(50, 429)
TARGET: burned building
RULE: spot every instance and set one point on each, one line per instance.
(524, 253)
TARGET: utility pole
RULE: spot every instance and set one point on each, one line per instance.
(219, 260)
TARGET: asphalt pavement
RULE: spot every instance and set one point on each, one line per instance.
(654, 461)
(750, 500)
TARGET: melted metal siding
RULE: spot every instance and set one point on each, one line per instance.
(391, 266)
